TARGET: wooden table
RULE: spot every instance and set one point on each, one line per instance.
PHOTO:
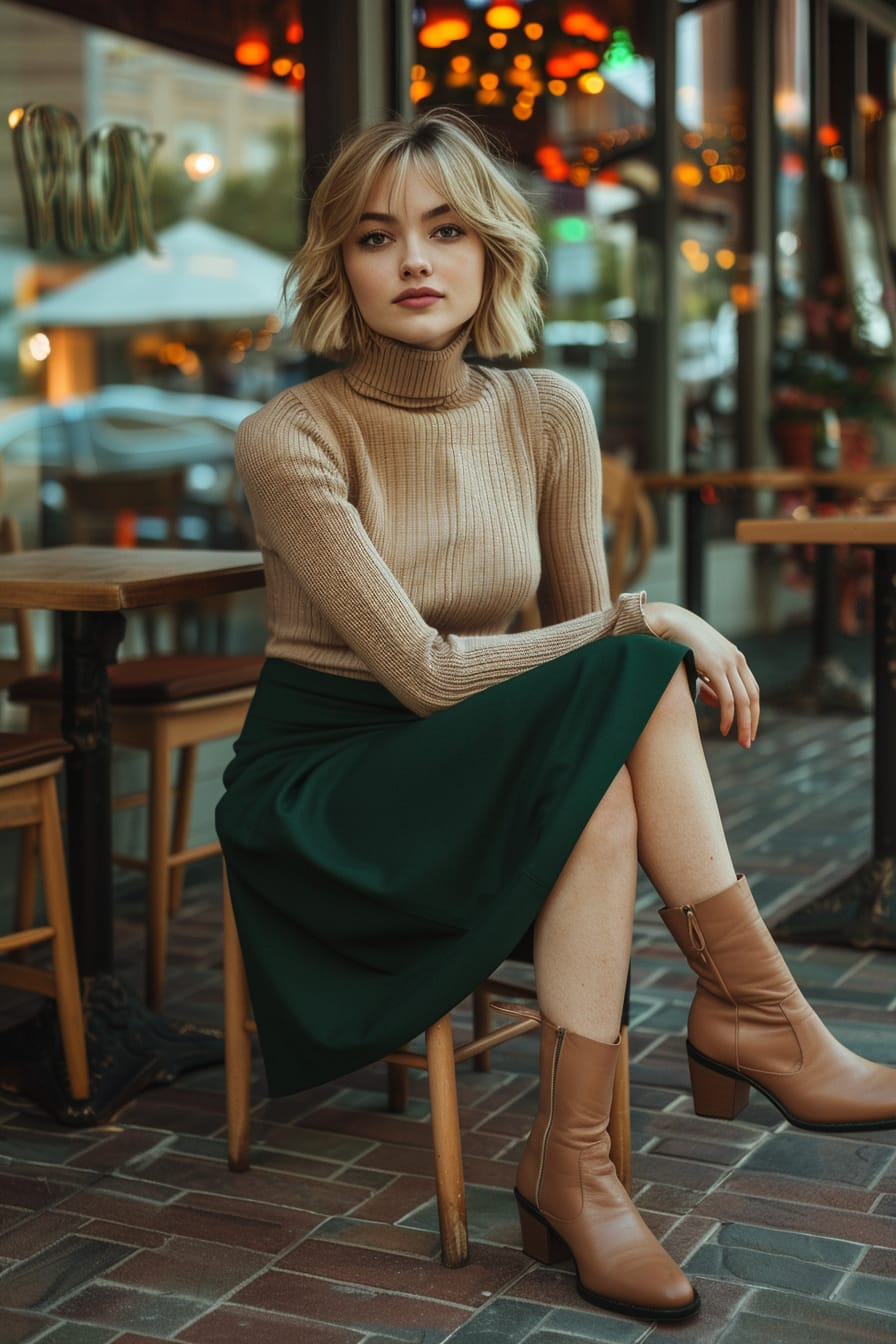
(780, 480)
(825, 685)
(860, 912)
(92, 587)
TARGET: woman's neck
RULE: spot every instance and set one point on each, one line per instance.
(408, 375)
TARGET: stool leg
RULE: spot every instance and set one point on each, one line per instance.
(450, 1194)
(65, 967)
(158, 869)
(26, 887)
(237, 1050)
(397, 1087)
(186, 777)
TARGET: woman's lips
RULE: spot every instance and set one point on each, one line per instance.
(417, 298)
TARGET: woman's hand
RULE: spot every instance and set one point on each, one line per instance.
(725, 677)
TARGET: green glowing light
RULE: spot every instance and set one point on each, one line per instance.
(572, 229)
(621, 51)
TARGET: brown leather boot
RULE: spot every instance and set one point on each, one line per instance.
(570, 1200)
(749, 1026)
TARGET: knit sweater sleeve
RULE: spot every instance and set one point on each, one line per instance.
(298, 492)
(570, 522)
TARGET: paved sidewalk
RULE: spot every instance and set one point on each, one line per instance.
(138, 1232)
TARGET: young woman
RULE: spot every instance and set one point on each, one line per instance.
(416, 784)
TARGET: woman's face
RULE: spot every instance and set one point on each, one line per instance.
(415, 268)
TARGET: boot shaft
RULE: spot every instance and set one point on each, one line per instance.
(576, 1078)
(730, 949)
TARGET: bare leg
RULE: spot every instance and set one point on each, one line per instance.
(660, 809)
(583, 934)
(681, 841)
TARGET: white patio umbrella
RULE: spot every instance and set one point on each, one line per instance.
(201, 274)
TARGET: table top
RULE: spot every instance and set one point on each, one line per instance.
(848, 529)
(769, 478)
(111, 578)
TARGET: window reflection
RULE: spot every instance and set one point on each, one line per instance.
(575, 106)
(127, 362)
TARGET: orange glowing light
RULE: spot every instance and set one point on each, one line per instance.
(282, 65)
(489, 80)
(252, 48)
(505, 15)
(295, 31)
(688, 174)
(579, 20)
(828, 135)
(498, 40)
(445, 22)
(461, 64)
(557, 87)
(591, 82)
(567, 61)
(533, 31)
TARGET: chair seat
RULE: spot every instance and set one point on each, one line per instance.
(155, 680)
(19, 750)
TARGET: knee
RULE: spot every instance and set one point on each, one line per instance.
(615, 820)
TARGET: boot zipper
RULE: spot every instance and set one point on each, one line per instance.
(697, 940)
(555, 1066)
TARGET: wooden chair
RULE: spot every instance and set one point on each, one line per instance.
(29, 765)
(440, 1060)
(160, 704)
(21, 660)
(631, 524)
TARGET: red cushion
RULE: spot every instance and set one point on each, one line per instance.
(149, 681)
(18, 750)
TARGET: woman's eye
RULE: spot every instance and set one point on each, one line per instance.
(375, 238)
(449, 231)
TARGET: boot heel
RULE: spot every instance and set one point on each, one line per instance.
(715, 1094)
(538, 1237)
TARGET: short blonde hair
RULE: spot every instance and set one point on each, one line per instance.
(457, 157)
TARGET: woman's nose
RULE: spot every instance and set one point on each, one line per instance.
(415, 263)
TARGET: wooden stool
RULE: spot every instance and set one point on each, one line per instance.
(29, 764)
(159, 704)
(440, 1060)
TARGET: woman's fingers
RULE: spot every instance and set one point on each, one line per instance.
(734, 689)
(726, 678)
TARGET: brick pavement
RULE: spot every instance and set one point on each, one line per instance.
(138, 1232)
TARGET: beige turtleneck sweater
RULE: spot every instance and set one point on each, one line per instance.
(409, 505)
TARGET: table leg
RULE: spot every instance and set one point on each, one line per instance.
(129, 1047)
(694, 544)
(90, 640)
(861, 911)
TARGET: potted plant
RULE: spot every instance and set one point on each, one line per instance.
(826, 388)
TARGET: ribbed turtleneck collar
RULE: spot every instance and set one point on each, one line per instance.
(406, 375)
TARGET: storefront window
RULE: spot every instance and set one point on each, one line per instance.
(147, 321)
(714, 277)
(570, 89)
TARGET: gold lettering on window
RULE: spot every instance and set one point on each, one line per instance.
(85, 196)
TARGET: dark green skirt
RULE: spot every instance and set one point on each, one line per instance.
(382, 865)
